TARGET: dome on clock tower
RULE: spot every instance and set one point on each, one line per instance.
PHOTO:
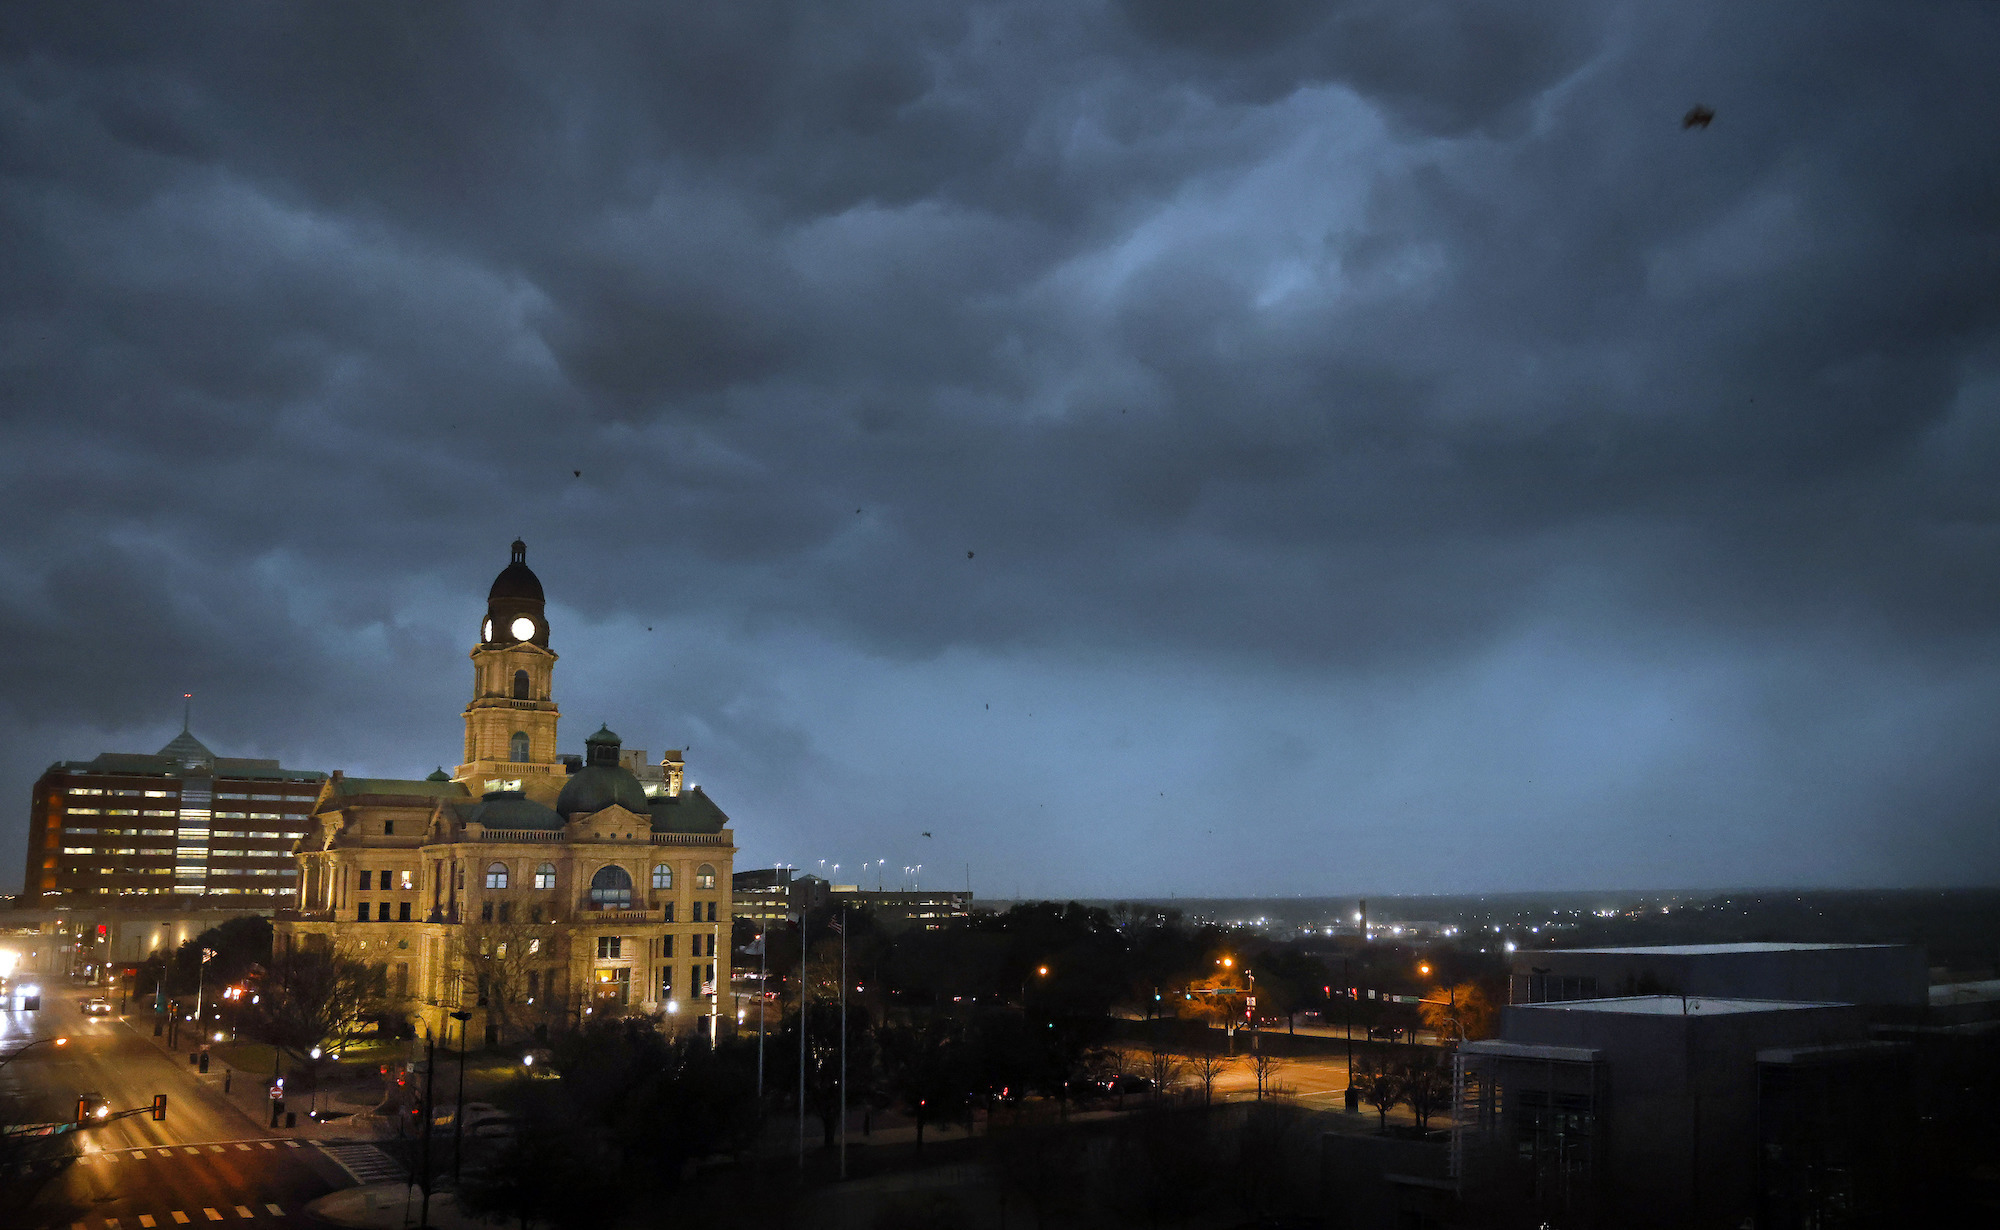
(514, 604)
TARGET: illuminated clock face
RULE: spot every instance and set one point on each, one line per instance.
(486, 631)
(523, 628)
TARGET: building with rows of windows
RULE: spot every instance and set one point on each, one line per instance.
(526, 888)
(183, 826)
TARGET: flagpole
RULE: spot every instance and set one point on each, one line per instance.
(843, 1042)
(763, 960)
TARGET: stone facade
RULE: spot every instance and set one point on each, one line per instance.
(528, 889)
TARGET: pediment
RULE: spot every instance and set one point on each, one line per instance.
(614, 823)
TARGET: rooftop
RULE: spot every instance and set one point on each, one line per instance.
(1674, 1005)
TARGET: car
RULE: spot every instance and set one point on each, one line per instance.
(91, 1105)
(97, 1007)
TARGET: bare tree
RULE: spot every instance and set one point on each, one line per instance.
(502, 967)
(1266, 1065)
(1206, 1066)
(1166, 1070)
(1427, 1088)
(1381, 1084)
(313, 996)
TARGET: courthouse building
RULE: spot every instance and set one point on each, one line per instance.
(527, 887)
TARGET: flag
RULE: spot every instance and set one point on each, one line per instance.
(839, 924)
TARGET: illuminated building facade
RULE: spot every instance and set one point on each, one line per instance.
(182, 823)
(527, 888)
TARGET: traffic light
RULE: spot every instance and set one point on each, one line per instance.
(159, 1107)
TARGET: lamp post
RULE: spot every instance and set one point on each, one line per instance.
(430, 1118)
(312, 1111)
(458, 1116)
(200, 973)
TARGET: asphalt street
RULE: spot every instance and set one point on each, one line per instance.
(206, 1162)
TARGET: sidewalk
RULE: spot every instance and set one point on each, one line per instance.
(390, 1206)
(249, 1094)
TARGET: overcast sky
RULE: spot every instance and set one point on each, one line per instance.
(1194, 446)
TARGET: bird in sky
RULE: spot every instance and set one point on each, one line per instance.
(927, 834)
(968, 555)
(1698, 116)
(578, 473)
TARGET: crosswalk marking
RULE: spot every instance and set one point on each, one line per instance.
(191, 1149)
(275, 1210)
(146, 1220)
(291, 1144)
(77, 1225)
(180, 1218)
(215, 1148)
(267, 1144)
(110, 1223)
(242, 1146)
(211, 1214)
(243, 1210)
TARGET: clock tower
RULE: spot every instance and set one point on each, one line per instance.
(510, 726)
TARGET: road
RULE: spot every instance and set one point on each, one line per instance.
(206, 1162)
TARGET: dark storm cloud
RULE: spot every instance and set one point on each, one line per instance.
(1362, 344)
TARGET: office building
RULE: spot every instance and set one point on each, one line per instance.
(182, 823)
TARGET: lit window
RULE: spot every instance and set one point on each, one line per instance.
(545, 876)
(705, 877)
(663, 876)
(611, 888)
(496, 876)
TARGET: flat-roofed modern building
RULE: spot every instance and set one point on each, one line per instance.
(1874, 975)
(181, 823)
(1670, 1110)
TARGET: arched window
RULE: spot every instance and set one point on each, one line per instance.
(519, 751)
(496, 876)
(663, 876)
(520, 685)
(704, 877)
(611, 888)
(545, 876)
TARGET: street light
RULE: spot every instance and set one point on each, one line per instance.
(458, 1116)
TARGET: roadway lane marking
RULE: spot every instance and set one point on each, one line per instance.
(242, 1146)
(146, 1220)
(242, 1210)
(211, 1214)
(267, 1144)
(180, 1218)
(191, 1149)
(275, 1210)
(291, 1144)
(215, 1148)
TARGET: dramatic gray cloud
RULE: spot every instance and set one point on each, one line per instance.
(1161, 445)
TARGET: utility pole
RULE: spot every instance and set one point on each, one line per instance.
(430, 1117)
(843, 1042)
(458, 1116)
(802, 1039)
(763, 993)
